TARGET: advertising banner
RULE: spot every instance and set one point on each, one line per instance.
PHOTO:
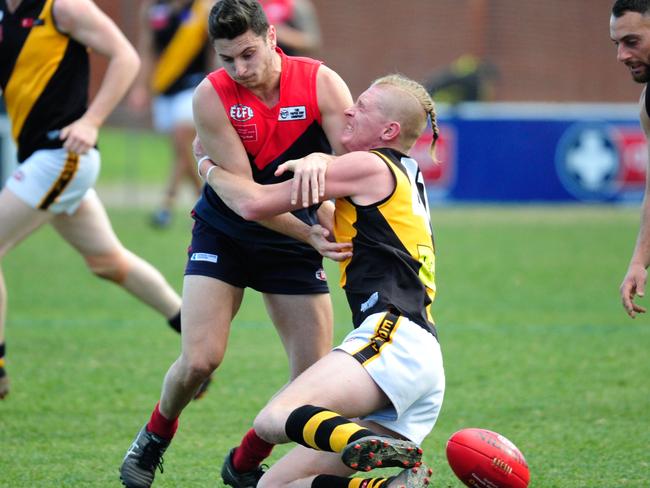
(536, 153)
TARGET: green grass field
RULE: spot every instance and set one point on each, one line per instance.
(536, 345)
(134, 155)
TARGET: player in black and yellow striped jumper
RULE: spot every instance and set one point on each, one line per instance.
(388, 372)
(44, 73)
(176, 56)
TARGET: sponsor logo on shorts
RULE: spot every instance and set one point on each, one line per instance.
(241, 113)
(371, 302)
(18, 175)
(383, 334)
(293, 113)
(320, 274)
(204, 256)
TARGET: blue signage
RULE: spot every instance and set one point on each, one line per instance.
(538, 153)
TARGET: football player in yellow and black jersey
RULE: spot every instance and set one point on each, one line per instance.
(388, 371)
(44, 73)
(176, 55)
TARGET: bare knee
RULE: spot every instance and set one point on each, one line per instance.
(270, 423)
(198, 367)
(112, 266)
(271, 481)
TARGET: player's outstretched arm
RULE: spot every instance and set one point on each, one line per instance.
(359, 175)
(83, 21)
(636, 277)
(308, 178)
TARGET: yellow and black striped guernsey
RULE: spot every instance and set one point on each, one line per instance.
(43, 74)
(393, 261)
(180, 38)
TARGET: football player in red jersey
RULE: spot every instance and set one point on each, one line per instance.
(258, 111)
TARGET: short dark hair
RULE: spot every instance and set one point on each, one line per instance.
(231, 18)
(622, 6)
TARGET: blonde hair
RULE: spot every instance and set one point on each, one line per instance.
(414, 121)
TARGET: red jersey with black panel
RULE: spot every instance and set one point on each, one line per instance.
(289, 130)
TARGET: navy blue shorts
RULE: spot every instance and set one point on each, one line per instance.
(286, 269)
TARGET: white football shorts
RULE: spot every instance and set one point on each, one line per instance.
(406, 363)
(169, 111)
(54, 179)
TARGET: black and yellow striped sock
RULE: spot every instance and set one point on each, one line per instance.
(330, 481)
(321, 429)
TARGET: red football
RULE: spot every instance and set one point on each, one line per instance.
(482, 458)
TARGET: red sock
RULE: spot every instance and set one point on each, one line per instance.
(160, 425)
(251, 452)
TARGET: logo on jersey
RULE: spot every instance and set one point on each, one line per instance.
(53, 135)
(241, 113)
(371, 302)
(293, 113)
(247, 133)
(28, 23)
(204, 256)
(320, 274)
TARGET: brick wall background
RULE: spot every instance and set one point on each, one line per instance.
(544, 50)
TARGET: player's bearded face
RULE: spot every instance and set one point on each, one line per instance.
(640, 72)
(631, 35)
